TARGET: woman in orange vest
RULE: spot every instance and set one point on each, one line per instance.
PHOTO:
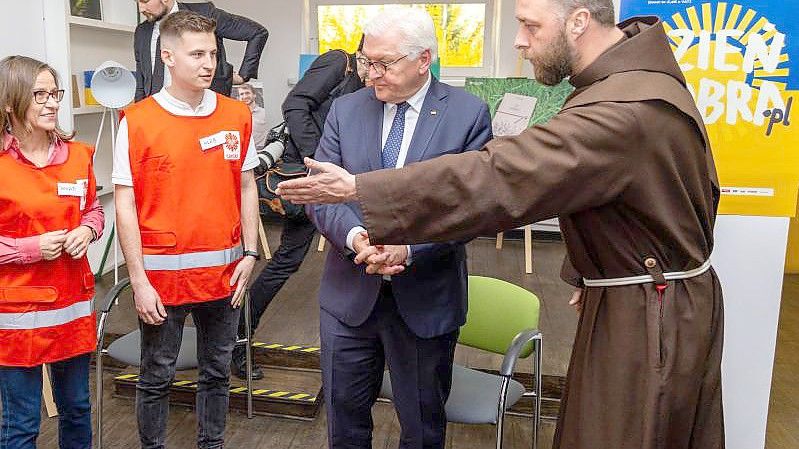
(49, 213)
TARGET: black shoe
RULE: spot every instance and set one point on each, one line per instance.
(238, 366)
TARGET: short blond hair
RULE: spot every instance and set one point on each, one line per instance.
(17, 78)
(177, 23)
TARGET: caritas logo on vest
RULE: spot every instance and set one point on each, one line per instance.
(735, 65)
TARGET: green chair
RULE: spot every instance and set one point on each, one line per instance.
(503, 319)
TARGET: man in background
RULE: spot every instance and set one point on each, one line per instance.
(150, 73)
(260, 130)
(331, 75)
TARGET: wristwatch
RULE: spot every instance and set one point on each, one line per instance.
(253, 254)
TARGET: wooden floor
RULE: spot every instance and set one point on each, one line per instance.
(293, 318)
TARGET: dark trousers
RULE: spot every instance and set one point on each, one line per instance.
(294, 243)
(216, 331)
(21, 395)
(353, 360)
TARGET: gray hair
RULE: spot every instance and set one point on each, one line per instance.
(601, 10)
(413, 24)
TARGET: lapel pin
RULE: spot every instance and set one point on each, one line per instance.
(433, 112)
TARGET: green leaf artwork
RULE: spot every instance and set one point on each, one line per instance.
(550, 98)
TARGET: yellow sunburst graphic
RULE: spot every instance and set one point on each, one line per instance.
(734, 60)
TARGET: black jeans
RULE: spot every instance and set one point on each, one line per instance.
(216, 330)
(294, 243)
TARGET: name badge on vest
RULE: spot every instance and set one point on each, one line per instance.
(229, 140)
(79, 189)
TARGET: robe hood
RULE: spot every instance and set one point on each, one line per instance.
(645, 47)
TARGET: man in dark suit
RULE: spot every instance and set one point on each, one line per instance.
(150, 73)
(410, 320)
(330, 76)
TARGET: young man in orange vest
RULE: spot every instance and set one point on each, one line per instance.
(187, 207)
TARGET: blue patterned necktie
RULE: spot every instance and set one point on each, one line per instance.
(391, 150)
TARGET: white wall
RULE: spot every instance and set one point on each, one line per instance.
(280, 60)
(21, 25)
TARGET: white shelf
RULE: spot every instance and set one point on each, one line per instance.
(100, 25)
(87, 110)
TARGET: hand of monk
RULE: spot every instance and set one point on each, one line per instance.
(577, 301)
(77, 241)
(326, 184)
(52, 243)
(148, 304)
(240, 278)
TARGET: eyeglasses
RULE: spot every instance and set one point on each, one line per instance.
(41, 96)
(379, 66)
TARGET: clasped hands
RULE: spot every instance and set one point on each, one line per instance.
(379, 259)
(75, 242)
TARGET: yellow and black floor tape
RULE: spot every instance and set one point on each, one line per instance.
(260, 392)
(295, 348)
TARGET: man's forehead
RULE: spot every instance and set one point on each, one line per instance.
(535, 10)
(195, 41)
(376, 47)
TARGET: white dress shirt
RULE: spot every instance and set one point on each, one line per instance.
(154, 42)
(122, 174)
(411, 118)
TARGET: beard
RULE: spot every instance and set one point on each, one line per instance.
(555, 62)
(152, 18)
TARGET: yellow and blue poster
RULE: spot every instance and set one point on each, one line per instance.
(736, 57)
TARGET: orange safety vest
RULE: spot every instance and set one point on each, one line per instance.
(46, 308)
(188, 198)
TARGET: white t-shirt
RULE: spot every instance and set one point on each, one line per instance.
(122, 174)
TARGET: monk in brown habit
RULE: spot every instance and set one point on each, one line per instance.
(627, 168)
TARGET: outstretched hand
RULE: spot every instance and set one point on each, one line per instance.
(326, 183)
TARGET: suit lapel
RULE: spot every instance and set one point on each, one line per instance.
(147, 65)
(433, 109)
(373, 132)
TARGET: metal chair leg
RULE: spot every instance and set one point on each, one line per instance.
(537, 388)
(98, 365)
(503, 393)
(111, 299)
(248, 351)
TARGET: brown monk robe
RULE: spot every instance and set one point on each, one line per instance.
(627, 168)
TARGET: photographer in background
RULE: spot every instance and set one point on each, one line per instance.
(330, 76)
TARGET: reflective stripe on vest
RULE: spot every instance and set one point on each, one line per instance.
(204, 259)
(46, 318)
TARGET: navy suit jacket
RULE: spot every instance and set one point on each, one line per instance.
(431, 292)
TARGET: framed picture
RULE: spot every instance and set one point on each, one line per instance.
(252, 94)
(89, 9)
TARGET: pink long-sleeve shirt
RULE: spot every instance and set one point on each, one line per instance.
(26, 250)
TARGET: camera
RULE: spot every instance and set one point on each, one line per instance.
(273, 150)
